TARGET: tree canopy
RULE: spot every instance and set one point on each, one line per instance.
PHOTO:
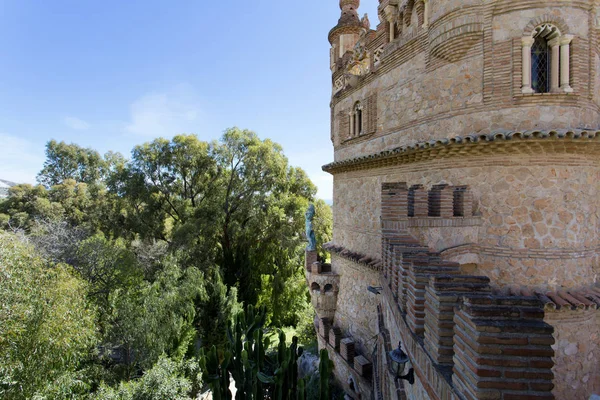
(47, 325)
(122, 270)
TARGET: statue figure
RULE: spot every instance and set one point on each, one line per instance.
(365, 22)
(360, 62)
(360, 48)
(310, 233)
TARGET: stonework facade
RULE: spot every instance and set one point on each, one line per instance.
(466, 140)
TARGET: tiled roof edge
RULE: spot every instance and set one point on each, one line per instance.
(465, 140)
(561, 300)
(359, 258)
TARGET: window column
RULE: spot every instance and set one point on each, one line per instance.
(565, 58)
(351, 116)
(555, 60)
(391, 12)
(526, 43)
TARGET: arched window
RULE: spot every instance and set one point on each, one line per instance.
(546, 58)
(541, 58)
(328, 288)
(408, 11)
(352, 385)
(315, 287)
(356, 120)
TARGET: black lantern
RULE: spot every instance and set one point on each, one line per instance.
(398, 360)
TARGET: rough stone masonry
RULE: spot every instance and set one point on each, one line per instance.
(466, 169)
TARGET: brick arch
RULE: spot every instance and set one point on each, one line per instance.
(420, 8)
(353, 385)
(408, 10)
(546, 19)
(400, 23)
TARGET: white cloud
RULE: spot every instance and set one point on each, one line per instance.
(20, 160)
(165, 113)
(76, 123)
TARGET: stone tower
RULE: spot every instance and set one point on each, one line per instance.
(466, 139)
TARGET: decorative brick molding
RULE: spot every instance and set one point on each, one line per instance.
(564, 254)
(583, 299)
(503, 349)
(310, 258)
(418, 279)
(344, 348)
(324, 328)
(453, 39)
(443, 294)
(363, 366)
(427, 292)
(347, 350)
(582, 142)
(335, 337)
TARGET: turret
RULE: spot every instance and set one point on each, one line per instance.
(346, 33)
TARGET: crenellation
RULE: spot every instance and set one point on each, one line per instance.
(466, 138)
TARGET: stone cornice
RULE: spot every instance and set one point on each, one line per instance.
(471, 145)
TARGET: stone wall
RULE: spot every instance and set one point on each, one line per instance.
(539, 222)
(462, 74)
(577, 353)
(444, 103)
(356, 305)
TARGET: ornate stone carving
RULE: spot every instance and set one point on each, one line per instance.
(360, 63)
(452, 40)
(339, 84)
(365, 22)
(377, 55)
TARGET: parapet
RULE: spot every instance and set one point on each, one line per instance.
(457, 331)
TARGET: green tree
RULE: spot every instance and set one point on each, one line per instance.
(46, 324)
(236, 203)
(167, 380)
(68, 201)
(323, 226)
(151, 319)
(70, 161)
(262, 214)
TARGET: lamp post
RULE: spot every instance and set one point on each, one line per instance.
(398, 362)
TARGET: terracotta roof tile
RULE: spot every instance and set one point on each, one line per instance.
(462, 140)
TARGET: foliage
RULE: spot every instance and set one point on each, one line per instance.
(46, 324)
(70, 201)
(72, 162)
(150, 319)
(236, 203)
(148, 260)
(215, 314)
(257, 372)
(323, 225)
(166, 380)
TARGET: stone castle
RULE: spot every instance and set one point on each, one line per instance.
(466, 214)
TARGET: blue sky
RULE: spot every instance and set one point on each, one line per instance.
(112, 74)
